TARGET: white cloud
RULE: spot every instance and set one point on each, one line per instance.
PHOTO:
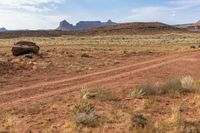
(29, 5)
(19, 20)
(29, 14)
(184, 4)
(28, 2)
(175, 11)
(37, 14)
(188, 3)
(151, 13)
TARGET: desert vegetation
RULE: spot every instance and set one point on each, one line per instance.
(75, 54)
(172, 87)
(88, 112)
(119, 83)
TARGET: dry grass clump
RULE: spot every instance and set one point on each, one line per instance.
(11, 124)
(106, 95)
(176, 123)
(84, 114)
(176, 115)
(137, 92)
(143, 90)
(138, 120)
(196, 101)
(172, 87)
(87, 94)
(187, 82)
(181, 125)
(141, 124)
(150, 102)
(100, 93)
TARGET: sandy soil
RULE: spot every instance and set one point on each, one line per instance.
(118, 78)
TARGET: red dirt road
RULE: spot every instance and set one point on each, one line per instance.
(32, 92)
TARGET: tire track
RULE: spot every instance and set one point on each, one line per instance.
(63, 86)
(78, 78)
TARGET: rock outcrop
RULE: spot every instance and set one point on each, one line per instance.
(24, 47)
(190, 27)
(65, 25)
(83, 25)
(3, 29)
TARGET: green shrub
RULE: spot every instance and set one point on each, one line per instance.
(136, 93)
(177, 85)
(138, 121)
(84, 114)
(83, 107)
(172, 87)
(143, 90)
(90, 120)
(141, 124)
(87, 94)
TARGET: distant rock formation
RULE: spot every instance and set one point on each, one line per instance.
(65, 25)
(3, 29)
(198, 23)
(82, 25)
(191, 27)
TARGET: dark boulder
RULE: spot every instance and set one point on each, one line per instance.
(193, 47)
(25, 47)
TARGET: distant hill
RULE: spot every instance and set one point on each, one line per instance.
(3, 29)
(191, 26)
(198, 23)
(135, 28)
(83, 25)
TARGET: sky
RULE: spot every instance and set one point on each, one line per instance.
(46, 14)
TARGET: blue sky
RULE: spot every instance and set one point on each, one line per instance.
(46, 14)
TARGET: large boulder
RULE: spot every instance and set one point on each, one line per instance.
(25, 47)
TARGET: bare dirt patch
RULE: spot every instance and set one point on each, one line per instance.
(54, 100)
(40, 94)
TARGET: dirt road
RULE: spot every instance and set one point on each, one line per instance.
(32, 92)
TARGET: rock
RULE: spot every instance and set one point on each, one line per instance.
(24, 47)
(85, 55)
(30, 56)
(70, 55)
(192, 47)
